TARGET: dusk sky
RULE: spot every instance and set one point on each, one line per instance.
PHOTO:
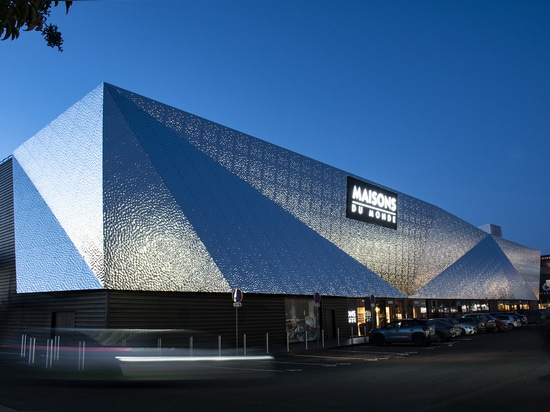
(446, 101)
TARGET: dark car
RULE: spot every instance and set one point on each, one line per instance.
(420, 332)
(535, 316)
(449, 325)
(522, 317)
(501, 325)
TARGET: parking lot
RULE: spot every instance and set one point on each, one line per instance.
(498, 371)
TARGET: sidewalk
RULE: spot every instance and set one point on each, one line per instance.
(100, 366)
(327, 344)
(68, 358)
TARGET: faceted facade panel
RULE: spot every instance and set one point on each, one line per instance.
(60, 184)
(180, 203)
(149, 243)
(483, 270)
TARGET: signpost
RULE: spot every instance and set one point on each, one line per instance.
(317, 300)
(373, 305)
(237, 296)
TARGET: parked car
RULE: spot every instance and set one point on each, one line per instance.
(488, 320)
(501, 325)
(467, 326)
(417, 331)
(522, 317)
(535, 316)
(450, 324)
(511, 321)
(479, 324)
(442, 330)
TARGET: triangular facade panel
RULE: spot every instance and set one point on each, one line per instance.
(46, 258)
(257, 245)
(149, 243)
(484, 271)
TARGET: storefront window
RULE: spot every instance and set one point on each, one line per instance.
(301, 320)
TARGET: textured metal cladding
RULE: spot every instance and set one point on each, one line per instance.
(58, 202)
(525, 260)
(483, 270)
(427, 242)
(46, 258)
(125, 193)
(149, 242)
(256, 244)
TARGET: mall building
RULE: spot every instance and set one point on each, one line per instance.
(126, 213)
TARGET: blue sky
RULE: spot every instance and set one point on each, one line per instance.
(446, 101)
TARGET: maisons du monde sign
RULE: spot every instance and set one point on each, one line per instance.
(371, 204)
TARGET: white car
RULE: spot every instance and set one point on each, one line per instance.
(511, 321)
(467, 328)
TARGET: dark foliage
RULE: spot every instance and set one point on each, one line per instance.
(17, 16)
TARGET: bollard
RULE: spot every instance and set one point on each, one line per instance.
(337, 336)
(32, 349)
(81, 354)
(191, 346)
(48, 350)
(244, 344)
(23, 345)
(267, 342)
(219, 345)
(58, 346)
(322, 338)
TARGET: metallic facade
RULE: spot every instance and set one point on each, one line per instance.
(125, 193)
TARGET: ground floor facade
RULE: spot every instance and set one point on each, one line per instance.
(261, 321)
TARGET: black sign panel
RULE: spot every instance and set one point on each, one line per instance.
(371, 204)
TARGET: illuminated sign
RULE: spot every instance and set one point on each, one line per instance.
(371, 204)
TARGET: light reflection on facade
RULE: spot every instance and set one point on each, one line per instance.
(144, 196)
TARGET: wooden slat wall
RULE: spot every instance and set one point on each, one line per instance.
(204, 316)
(340, 308)
(33, 313)
(7, 234)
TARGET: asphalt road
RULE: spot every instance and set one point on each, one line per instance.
(507, 371)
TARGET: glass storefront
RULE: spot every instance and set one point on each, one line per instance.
(301, 320)
(303, 316)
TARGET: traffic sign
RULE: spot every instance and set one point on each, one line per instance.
(317, 299)
(237, 295)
